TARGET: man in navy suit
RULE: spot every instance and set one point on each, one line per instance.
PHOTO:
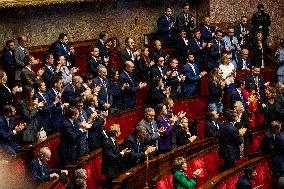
(8, 130)
(104, 95)
(207, 31)
(160, 70)
(49, 69)
(39, 169)
(94, 61)
(175, 79)
(237, 95)
(212, 125)
(165, 26)
(8, 60)
(73, 90)
(192, 76)
(197, 46)
(54, 96)
(72, 135)
(244, 60)
(158, 52)
(185, 19)
(129, 53)
(136, 143)
(244, 181)
(242, 32)
(103, 45)
(256, 79)
(63, 48)
(182, 46)
(215, 49)
(128, 96)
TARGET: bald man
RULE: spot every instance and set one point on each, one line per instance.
(244, 60)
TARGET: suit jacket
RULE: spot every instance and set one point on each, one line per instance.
(129, 94)
(157, 96)
(233, 50)
(182, 48)
(195, 48)
(70, 140)
(174, 83)
(104, 51)
(40, 173)
(60, 49)
(182, 24)
(116, 93)
(181, 181)
(212, 129)
(97, 134)
(236, 96)
(70, 93)
(214, 54)
(165, 29)
(155, 54)
(268, 143)
(215, 92)
(56, 112)
(112, 160)
(238, 34)
(28, 77)
(7, 59)
(190, 83)
(240, 63)
(48, 74)
(165, 141)
(19, 56)
(126, 56)
(6, 95)
(229, 142)
(104, 95)
(207, 33)
(180, 136)
(260, 83)
(6, 130)
(156, 72)
(244, 183)
(137, 154)
(152, 132)
(93, 64)
(44, 114)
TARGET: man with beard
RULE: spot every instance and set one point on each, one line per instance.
(244, 181)
(242, 32)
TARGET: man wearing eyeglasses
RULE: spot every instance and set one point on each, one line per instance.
(244, 61)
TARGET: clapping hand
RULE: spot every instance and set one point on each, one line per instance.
(197, 172)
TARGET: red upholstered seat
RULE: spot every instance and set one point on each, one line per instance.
(204, 85)
(92, 179)
(196, 108)
(142, 97)
(201, 129)
(259, 117)
(98, 169)
(114, 62)
(165, 183)
(222, 186)
(263, 176)
(212, 164)
(231, 183)
(59, 186)
(196, 164)
(241, 160)
(254, 146)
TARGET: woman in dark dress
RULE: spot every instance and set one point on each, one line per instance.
(182, 133)
(268, 105)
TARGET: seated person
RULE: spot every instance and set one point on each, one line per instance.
(78, 180)
(8, 130)
(136, 144)
(180, 179)
(40, 171)
(244, 181)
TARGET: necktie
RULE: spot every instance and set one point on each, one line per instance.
(25, 51)
(152, 128)
(138, 147)
(233, 49)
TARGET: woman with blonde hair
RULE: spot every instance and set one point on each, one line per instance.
(182, 133)
(228, 71)
(180, 179)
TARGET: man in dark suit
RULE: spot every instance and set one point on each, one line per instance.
(197, 47)
(113, 157)
(175, 79)
(49, 69)
(158, 52)
(137, 145)
(165, 26)
(63, 48)
(8, 130)
(192, 76)
(255, 78)
(40, 171)
(104, 95)
(153, 133)
(244, 60)
(103, 44)
(182, 46)
(185, 19)
(160, 70)
(207, 31)
(128, 96)
(97, 134)
(94, 61)
(215, 49)
(73, 90)
(54, 96)
(237, 95)
(72, 132)
(244, 181)
(129, 53)
(230, 140)
(8, 61)
(28, 76)
(21, 51)
(212, 125)
(242, 32)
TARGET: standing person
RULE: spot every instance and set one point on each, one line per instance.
(261, 22)
(104, 44)
(242, 32)
(21, 51)
(212, 125)
(228, 71)
(165, 26)
(207, 31)
(185, 19)
(8, 61)
(182, 133)
(230, 140)
(180, 179)
(244, 62)
(258, 50)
